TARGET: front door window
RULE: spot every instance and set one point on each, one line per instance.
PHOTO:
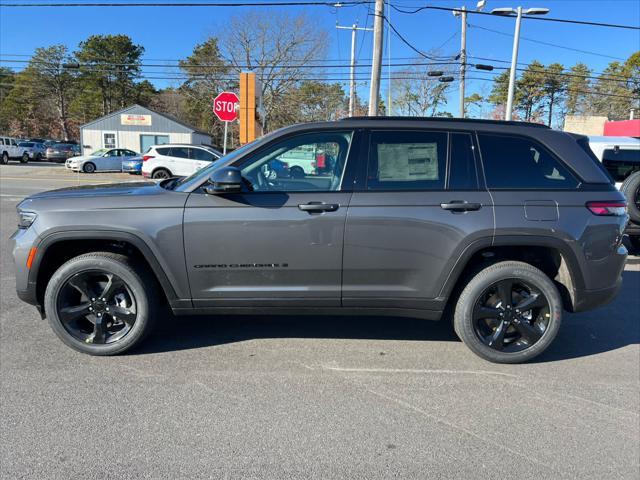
(305, 163)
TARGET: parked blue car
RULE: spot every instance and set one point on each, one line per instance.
(133, 166)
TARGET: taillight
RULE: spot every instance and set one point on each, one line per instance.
(616, 209)
(147, 157)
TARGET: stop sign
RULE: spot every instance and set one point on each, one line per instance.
(224, 106)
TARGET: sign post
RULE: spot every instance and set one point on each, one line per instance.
(225, 108)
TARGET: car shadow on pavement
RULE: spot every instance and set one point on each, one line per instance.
(609, 328)
(204, 331)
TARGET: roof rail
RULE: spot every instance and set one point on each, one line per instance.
(447, 119)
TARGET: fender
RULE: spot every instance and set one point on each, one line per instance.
(167, 282)
(474, 247)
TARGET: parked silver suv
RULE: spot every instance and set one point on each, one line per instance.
(500, 225)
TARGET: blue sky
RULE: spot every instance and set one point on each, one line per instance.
(171, 33)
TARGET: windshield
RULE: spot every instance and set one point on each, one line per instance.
(99, 153)
(196, 178)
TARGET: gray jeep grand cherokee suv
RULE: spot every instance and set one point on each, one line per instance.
(502, 225)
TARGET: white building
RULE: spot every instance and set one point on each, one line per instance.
(137, 128)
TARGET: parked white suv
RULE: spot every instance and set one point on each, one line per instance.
(176, 160)
(9, 149)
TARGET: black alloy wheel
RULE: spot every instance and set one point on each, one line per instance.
(508, 312)
(96, 307)
(511, 315)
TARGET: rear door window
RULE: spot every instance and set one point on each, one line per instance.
(180, 152)
(200, 154)
(462, 163)
(407, 160)
(521, 163)
(620, 163)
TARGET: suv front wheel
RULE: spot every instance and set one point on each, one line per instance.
(509, 312)
(101, 303)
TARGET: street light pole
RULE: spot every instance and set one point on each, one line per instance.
(352, 80)
(514, 63)
(514, 55)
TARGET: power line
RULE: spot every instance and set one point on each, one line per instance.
(506, 34)
(531, 17)
(414, 48)
(207, 4)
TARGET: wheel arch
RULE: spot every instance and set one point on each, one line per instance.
(551, 255)
(57, 248)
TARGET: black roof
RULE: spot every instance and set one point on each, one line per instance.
(448, 120)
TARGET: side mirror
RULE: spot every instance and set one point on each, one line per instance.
(224, 180)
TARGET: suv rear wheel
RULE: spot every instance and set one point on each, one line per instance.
(101, 303)
(25, 158)
(161, 173)
(508, 313)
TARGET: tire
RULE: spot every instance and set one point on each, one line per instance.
(24, 158)
(634, 241)
(296, 172)
(512, 346)
(631, 190)
(5, 158)
(89, 167)
(138, 283)
(39, 157)
(161, 174)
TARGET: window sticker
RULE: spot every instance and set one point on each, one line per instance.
(407, 161)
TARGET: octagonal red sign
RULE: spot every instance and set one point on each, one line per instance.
(224, 106)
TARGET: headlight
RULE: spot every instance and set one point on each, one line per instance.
(25, 219)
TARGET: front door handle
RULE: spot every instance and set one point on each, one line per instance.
(318, 207)
(460, 206)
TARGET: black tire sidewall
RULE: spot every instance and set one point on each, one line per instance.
(161, 170)
(630, 189)
(135, 283)
(84, 167)
(296, 172)
(24, 158)
(5, 158)
(463, 318)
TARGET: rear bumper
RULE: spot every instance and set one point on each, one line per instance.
(585, 300)
(588, 299)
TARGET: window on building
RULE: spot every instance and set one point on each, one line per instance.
(109, 140)
(522, 163)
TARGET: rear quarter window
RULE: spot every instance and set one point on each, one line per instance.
(522, 163)
(164, 151)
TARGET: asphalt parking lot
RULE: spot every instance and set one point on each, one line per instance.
(321, 397)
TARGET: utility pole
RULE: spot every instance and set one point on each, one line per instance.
(376, 64)
(463, 57)
(352, 80)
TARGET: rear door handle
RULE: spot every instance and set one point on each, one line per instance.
(318, 207)
(460, 206)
